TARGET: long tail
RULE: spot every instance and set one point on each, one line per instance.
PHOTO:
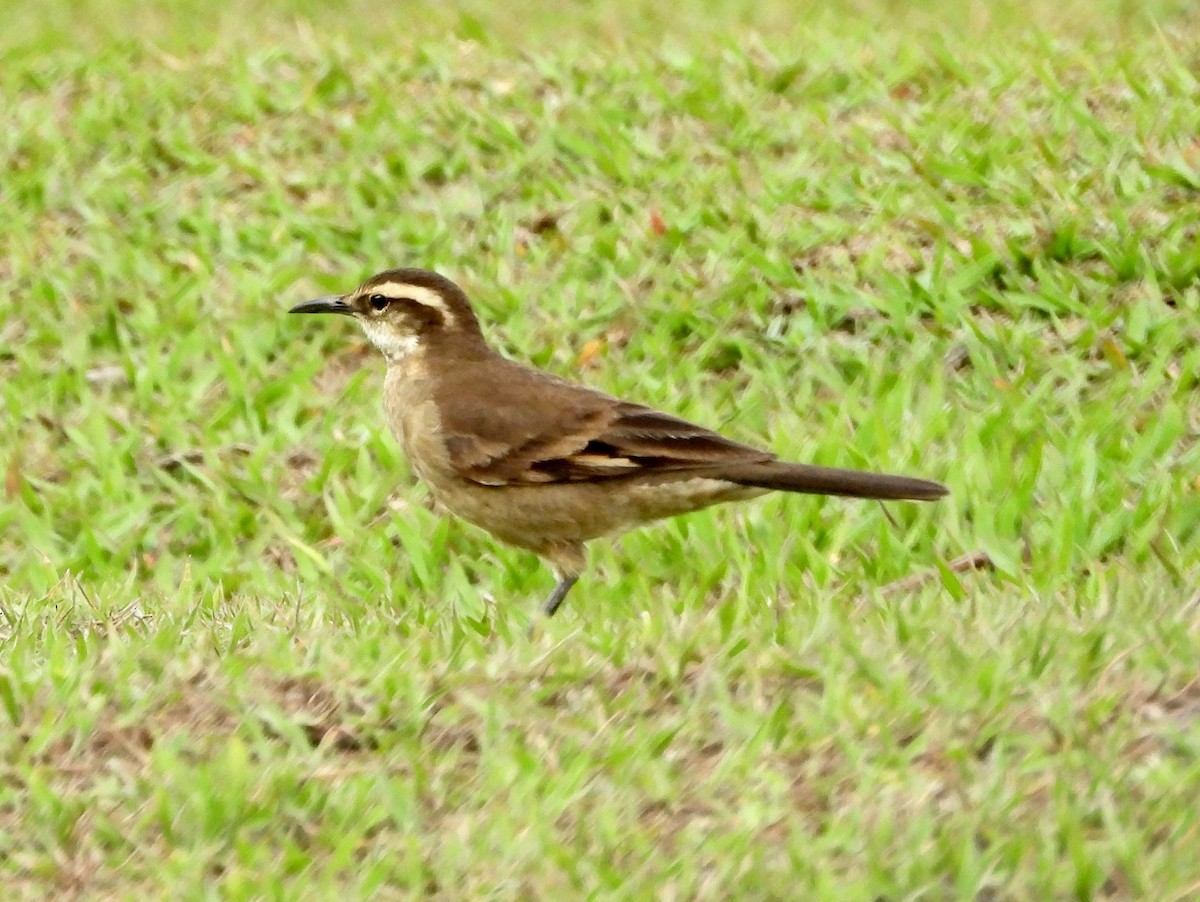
(812, 480)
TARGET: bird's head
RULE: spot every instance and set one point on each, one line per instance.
(405, 311)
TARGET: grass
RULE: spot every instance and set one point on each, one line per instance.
(242, 658)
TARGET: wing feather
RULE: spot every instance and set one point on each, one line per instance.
(531, 430)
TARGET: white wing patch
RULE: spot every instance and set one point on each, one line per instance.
(602, 462)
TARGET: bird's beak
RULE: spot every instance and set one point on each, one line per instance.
(331, 304)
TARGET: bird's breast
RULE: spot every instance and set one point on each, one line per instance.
(413, 418)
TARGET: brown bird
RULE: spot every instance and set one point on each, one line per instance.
(543, 463)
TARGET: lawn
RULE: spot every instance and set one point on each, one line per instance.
(241, 655)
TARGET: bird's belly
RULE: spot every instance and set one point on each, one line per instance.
(533, 516)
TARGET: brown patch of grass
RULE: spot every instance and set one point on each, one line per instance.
(199, 709)
(328, 720)
(119, 741)
(1160, 713)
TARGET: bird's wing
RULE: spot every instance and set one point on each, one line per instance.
(531, 428)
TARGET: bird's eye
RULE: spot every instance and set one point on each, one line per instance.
(378, 301)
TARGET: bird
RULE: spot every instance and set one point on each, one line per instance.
(543, 463)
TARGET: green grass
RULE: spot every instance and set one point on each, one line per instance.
(242, 657)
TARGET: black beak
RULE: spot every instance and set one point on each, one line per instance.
(332, 304)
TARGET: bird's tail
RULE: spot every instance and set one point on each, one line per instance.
(813, 480)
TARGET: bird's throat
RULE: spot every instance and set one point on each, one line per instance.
(395, 345)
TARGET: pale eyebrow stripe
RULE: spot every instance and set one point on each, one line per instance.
(419, 293)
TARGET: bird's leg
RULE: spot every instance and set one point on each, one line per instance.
(560, 592)
(567, 561)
